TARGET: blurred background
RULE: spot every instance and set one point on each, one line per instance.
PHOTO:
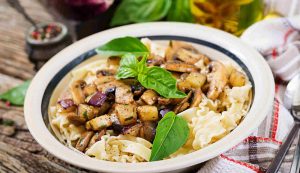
(58, 23)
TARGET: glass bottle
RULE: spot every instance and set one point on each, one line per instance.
(233, 16)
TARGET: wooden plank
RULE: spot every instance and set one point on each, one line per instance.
(19, 152)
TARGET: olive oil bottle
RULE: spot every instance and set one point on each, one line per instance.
(233, 16)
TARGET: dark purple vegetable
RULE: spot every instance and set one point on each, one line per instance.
(162, 112)
(97, 99)
(110, 94)
(137, 89)
(66, 103)
(149, 130)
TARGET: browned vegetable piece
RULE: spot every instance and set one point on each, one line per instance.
(237, 79)
(147, 113)
(126, 113)
(217, 79)
(196, 98)
(123, 95)
(188, 56)
(96, 137)
(65, 106)
(84, 140)
(114, 61)
(164, 101)
(149, 97)
(196, 80)
(184, 86)
(103, 79)
(205, 88)
(75, 119)
(113, 84)
(180, 67)
(183, 104)
(174, 46)
(132, 130)
(183, 107)
(98, 123)
(140, 102)
(87, 111)
(148, 130)
(155, 60)
(105, 72)
(76, 89)
(89, 89)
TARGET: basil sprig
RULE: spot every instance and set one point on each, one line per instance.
(16, 95)
(155, 78)
(135, 11)
(121, 46)
(171, 133)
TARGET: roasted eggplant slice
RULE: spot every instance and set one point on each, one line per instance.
(84, 140)
(87, 111)
(149, 97)
(73, 118)
(99, 123)
(126, 113)
(65, 106)
(196, 80)
(148, 130)
(89, 89)
(147, 113)
(124, 95)
(132, 130)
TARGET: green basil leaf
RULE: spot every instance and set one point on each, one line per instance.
(134, 11)
(128, 67)
(121, 46)
(180, 11)
(16, 95)
(171, 133)
(161, 81)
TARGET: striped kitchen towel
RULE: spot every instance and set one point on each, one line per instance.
(278, 40)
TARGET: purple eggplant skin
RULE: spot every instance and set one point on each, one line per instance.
(137, 89)
(162, 112)
(110, 93)
(97, 99)
(66, 103)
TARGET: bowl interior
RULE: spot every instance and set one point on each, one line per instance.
(216, 44)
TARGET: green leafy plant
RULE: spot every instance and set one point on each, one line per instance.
(155, 78)
(180, 11)
(171, 133)
(16, 95)
(135, 11)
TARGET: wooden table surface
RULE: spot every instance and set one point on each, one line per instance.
(19, 152)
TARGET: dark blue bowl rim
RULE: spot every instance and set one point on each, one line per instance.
(72, 64)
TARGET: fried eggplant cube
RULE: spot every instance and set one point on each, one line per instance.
(99, 123)
(147, 113)
(126, 113)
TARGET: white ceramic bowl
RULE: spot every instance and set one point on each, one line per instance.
(214, 43)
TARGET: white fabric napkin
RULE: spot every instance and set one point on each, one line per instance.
(278, 40)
